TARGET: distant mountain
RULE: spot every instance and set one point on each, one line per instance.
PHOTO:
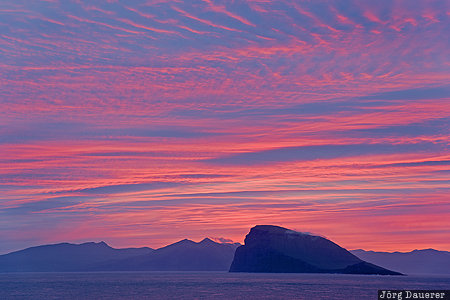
(279, 250)
(267, 249)
(184, 255)
(427, 261)
(65, 257)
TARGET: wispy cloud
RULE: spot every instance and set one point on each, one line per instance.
(145, 122)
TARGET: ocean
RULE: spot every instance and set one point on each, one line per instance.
(206, 285)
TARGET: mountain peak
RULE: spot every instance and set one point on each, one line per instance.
(278, 230)
(181, 242)
(273, 228)
(207, 241)
(101, 244)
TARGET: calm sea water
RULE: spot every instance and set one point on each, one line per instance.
(206, 285)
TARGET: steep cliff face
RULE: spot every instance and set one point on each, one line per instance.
(276, 249)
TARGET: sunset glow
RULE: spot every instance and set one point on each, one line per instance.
(144, 122)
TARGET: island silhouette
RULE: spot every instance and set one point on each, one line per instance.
(274, 249)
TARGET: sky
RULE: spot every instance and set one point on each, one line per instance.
(144, 122)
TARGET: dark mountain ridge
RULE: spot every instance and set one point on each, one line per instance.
(184, 255)
(425, 261)
(64, 257)
(267, 249)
